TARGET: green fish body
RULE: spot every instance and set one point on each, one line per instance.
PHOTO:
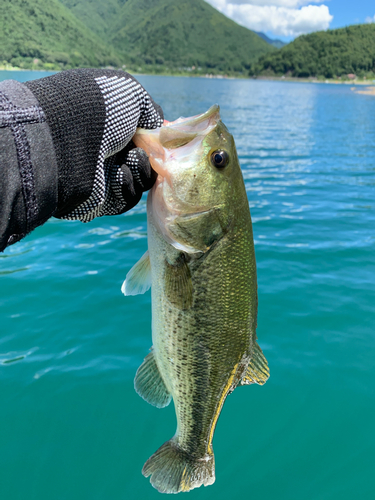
(202, 270)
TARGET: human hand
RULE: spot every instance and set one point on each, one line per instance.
(92, 115)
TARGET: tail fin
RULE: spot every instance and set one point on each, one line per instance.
(173, 470)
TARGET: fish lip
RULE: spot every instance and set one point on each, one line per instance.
(193, 121)
(177, 134)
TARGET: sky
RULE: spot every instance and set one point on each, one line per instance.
(287, 19)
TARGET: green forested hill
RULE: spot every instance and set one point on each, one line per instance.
(44, 33)
(159, 35)
(169, 36)
(100, 16)
(146, 35)
(183, 34)
(326, 53)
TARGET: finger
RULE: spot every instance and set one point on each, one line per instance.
(138, 163)
(123, 186)
(132, 175)
(152, 115)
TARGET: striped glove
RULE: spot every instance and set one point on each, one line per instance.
(92, 115)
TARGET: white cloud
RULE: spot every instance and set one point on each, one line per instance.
(281, 17)
(370, 19)
(278, 3)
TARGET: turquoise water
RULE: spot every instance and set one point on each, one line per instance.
(71, 425)
(23, 76)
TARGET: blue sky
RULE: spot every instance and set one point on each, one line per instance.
(346, 12)
(286, 19)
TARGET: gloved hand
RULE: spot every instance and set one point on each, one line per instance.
(92, 115)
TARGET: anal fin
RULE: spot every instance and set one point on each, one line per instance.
(149, 384)
(257, 372)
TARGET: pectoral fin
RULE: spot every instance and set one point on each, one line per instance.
(138, 279)
(257, 372)
(178, 284)
(149, 384)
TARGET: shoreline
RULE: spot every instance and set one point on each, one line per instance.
(334, 81)
(367, 91)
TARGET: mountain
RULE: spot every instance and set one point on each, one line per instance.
(329, 54)
(146, 35)
(276, 43)
(97, 15)
(160, 35)
(45, 34)
(185, 34)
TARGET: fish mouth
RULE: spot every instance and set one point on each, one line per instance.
(165, 142)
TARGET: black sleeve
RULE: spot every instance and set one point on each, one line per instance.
(66, 151)
(28, 166)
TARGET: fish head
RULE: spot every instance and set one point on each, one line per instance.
(199, 185)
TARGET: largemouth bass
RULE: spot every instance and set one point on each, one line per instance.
(201, 268)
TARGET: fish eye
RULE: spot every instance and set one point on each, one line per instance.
(219, 158)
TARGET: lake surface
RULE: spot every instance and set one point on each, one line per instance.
(72, 426)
